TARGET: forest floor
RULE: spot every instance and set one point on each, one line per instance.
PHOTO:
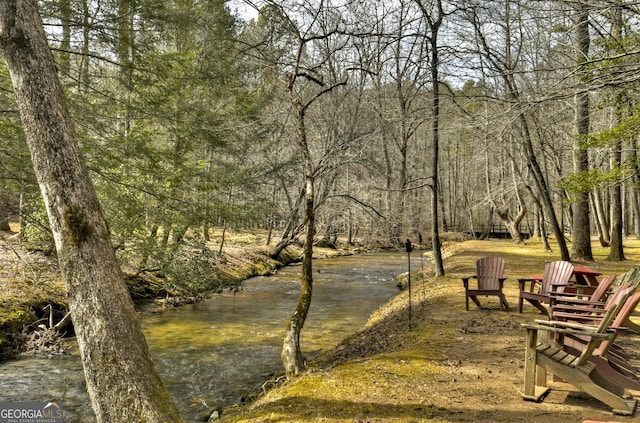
(447, 365)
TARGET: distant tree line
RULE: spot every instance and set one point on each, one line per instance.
(189, 117)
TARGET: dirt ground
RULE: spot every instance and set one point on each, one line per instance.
(484, 381)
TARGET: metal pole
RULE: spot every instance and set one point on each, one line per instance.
(408, 248)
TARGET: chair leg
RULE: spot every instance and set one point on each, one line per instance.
(537, 304)
(474, 298)
(520, 304)
(504, 305)
(633, 326)
(466, 301)
(535, 385)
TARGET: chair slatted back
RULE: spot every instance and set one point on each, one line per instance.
(614, 305)
(555, 275)
(627, 308)
(489, 270)
(601, 291)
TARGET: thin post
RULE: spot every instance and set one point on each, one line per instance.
(408, 248)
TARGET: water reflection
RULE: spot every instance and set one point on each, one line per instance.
(218, 350)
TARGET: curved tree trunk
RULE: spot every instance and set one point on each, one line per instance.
(292, 227)
(291, 354)
(512, 223)
(122, 382)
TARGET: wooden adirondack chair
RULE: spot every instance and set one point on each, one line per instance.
(577, 369)
(610, 357)
(489, 275)
(556, 274)
(610, 364)
(586, 311)
(587, 295)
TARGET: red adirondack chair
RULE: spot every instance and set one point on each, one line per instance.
(611, 360)
(586, 295)
(536, 292)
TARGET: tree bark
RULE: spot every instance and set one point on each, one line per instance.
(4, 216)
(122, 382)
(616, 251)
(434, 21)
(581, 247)
(601, 218)
(291, 354)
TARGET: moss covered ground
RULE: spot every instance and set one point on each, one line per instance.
(451, 365)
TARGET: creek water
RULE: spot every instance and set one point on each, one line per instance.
(216, 351)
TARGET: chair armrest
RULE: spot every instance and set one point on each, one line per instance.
(579, 308)
(571, 329)
(584, 306)
(585, 290)
(465, 280)
(533, 280)
(585, 319)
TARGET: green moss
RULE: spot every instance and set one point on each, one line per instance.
(13, 317)
(79, 229)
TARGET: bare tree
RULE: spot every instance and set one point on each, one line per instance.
(499, 59)
(434, 14)
(314, 33)
(122, 383)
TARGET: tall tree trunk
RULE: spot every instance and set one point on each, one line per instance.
(434, 20)
(634, 191)
(65, 41)
(581, 247)
(291, 354)
(616, 251)
(122, 383)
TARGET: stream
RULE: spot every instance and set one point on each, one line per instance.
(217, 351)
